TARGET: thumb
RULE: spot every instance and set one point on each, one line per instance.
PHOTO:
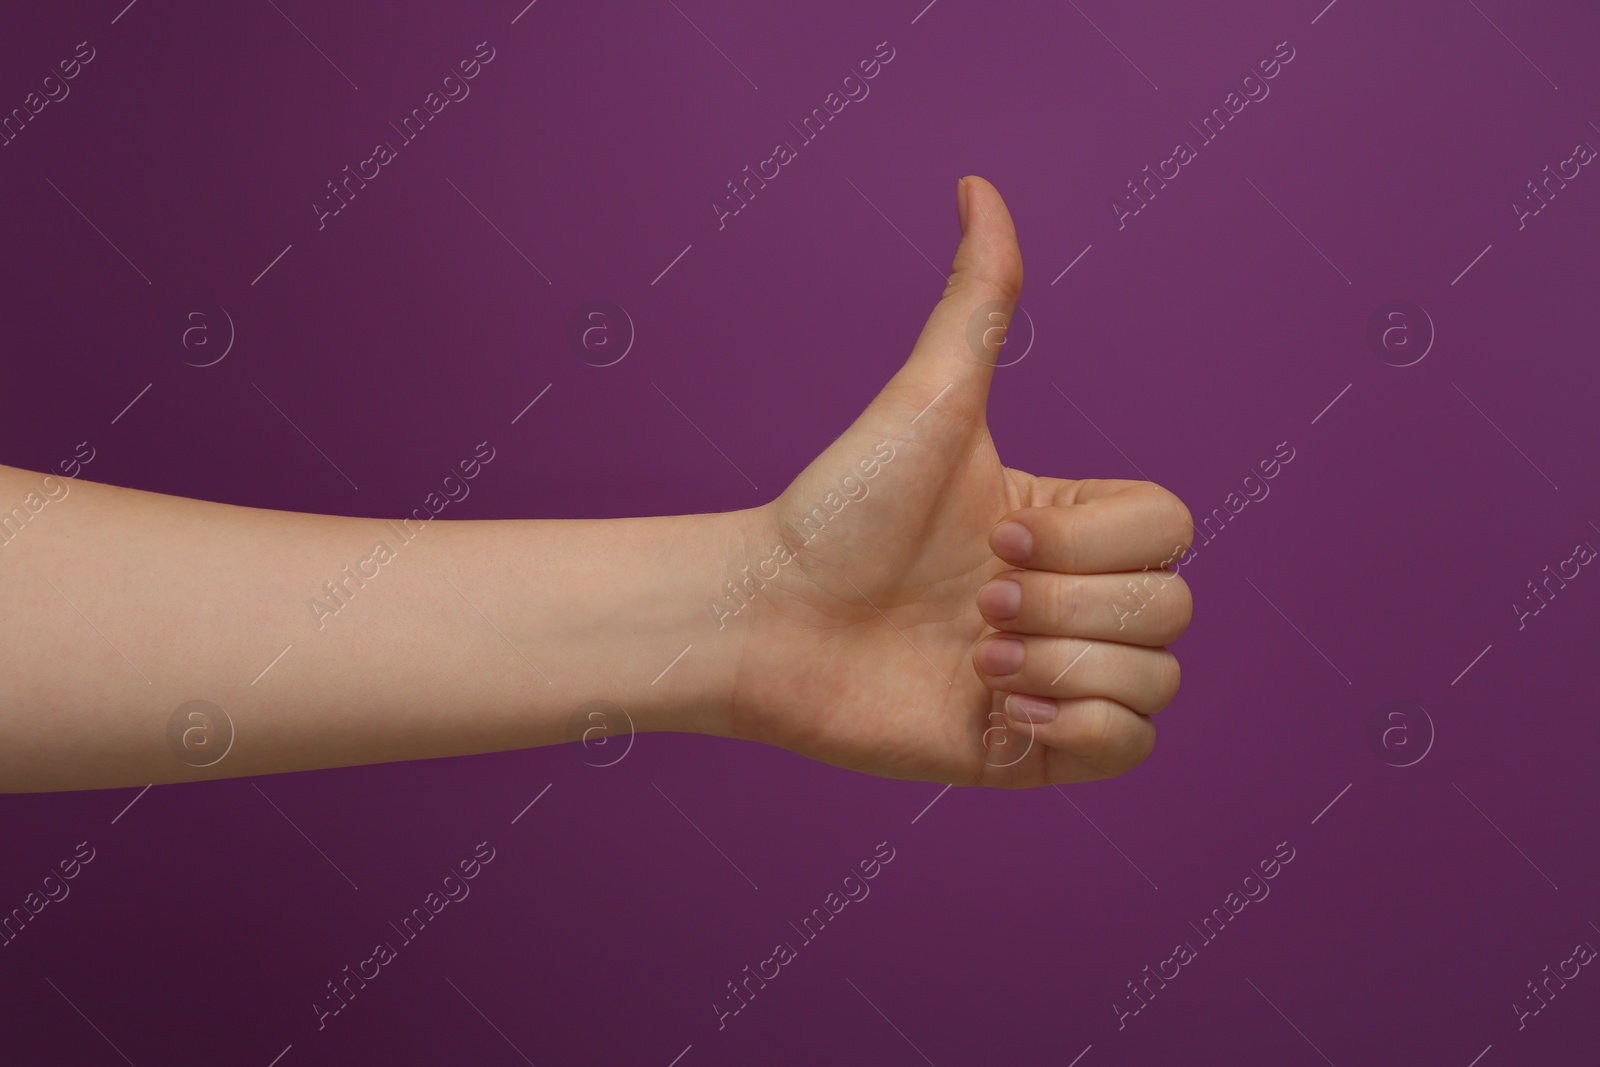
(961, 343)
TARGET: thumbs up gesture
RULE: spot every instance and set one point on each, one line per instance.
(922, 611)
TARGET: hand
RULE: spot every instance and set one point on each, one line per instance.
(917, 610)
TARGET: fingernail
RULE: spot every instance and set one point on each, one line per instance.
(1000, 599)
(961, 202)
(1012, 542)
(1000, 656)
(1030, 709)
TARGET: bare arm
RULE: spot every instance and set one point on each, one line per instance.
(404, 639)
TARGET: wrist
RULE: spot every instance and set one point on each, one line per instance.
(681, 673)
(611, 614)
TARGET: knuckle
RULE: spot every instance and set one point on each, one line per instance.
(1168, 679)
(1144, 743)
(1180, 608)
(1123, 739)
(1106, 728)
(1175, 522)
(1067, 538)
(1005, 283)
(1001, 285)
(1065, 606)
(1098, 739)
(1183, 527)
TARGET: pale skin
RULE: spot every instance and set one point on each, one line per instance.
(887, 642)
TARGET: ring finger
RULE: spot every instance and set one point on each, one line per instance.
(1144, 679)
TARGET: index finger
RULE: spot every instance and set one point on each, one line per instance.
(1101, 528)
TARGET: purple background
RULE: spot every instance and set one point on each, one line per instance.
(1196, 338)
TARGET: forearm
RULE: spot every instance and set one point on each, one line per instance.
(330, 641)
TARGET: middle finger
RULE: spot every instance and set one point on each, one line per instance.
(1149, 608)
